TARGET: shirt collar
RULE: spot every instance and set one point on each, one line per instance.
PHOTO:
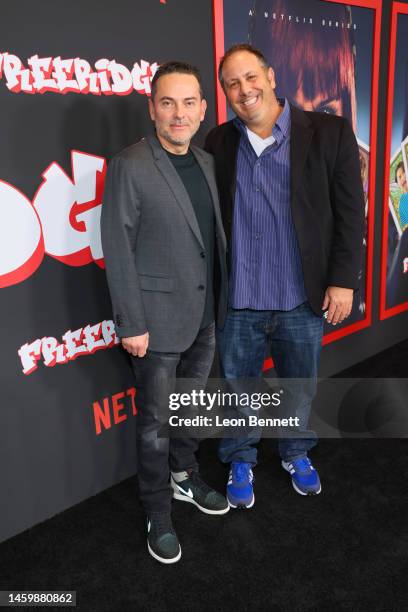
(282, 126)
(283, 121)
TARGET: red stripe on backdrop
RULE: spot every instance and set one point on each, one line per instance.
(219, 48)
(366, 322)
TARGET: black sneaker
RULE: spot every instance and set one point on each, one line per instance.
(194, 490)
(162, 542)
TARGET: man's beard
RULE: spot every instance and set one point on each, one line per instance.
(177, 141)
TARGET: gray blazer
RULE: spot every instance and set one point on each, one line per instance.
(154, 252)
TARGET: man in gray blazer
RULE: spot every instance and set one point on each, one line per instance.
(164, 249)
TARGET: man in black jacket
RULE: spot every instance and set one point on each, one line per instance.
(293, 211)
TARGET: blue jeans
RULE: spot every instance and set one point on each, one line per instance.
(295, 337)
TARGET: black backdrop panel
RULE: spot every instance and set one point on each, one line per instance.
(51, 454)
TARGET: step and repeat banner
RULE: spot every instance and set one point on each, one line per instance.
(73, 92)
(394, 272)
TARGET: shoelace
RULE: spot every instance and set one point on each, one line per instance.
(161, 522)
(241, 472)
(303, 465)
(199, 482)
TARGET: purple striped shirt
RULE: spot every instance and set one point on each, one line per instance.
(266, 269)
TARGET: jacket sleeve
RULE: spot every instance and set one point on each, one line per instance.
(120, 221)
(347, 202)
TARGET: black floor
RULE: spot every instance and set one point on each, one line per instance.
(346, 549)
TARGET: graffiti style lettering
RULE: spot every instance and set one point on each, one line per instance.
(75, 75)
(21, 237)
(62, 221)
(82, 341)
(70, 210)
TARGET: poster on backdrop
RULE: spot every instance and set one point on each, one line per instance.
(394, 273)
(322, 55)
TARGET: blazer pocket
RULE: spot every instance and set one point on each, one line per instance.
(156, 283)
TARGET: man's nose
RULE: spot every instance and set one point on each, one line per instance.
(245, 88)
(179, 110)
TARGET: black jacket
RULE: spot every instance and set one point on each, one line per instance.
(327, 198)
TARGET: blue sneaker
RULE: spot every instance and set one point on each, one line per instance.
(305, 479)
(240, 492)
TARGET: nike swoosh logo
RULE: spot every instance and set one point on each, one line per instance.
(189, 492)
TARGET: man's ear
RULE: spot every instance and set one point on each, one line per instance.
(203, 109)
(151, 110)
(271, 77)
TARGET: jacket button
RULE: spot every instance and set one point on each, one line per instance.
(201, 287)
(202, 254)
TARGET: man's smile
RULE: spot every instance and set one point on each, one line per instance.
(250, 101)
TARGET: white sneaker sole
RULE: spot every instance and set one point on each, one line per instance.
(307, 494)
(181, 497)
(163, 559)
(243, 506)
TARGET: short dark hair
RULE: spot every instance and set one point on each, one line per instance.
(175, 68)
(399, 167)
(236, 49)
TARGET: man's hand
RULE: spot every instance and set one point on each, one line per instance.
(339, 301)
(136, 345)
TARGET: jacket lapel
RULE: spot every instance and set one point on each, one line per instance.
(209, 174)
(301, 132)
(231, 152)
(176, 185)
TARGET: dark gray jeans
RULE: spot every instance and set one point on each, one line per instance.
(156, 378)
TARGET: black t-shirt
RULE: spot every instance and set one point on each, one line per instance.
(197, 188)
